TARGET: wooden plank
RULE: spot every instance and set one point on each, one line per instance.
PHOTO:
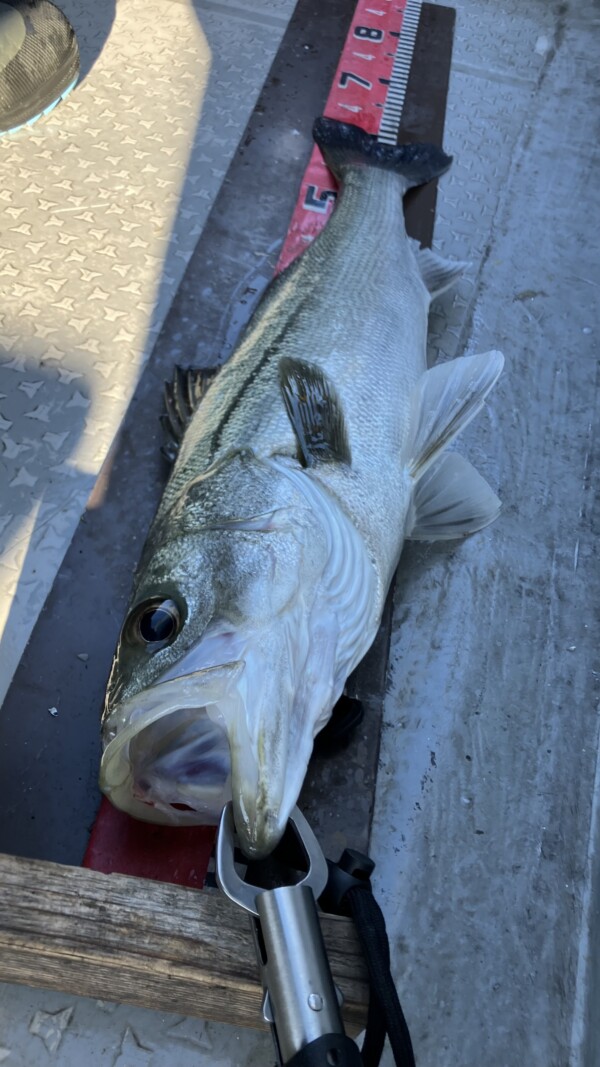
(147, 943)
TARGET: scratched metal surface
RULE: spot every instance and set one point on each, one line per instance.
(487, 783)
(484, 823)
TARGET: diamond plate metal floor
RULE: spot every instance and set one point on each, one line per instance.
(490, 743)
(102, 206)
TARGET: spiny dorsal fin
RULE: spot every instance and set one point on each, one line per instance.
(315, 413)
(182, 397)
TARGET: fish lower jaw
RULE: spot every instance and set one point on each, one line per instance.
(259, 825)
(266, 784)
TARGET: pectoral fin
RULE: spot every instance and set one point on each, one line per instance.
(445, 400)
(451, 500)
(315, 413)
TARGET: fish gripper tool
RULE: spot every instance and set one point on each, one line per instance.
(301, 1002)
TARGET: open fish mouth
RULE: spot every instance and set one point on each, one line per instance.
(168, 756)
(181, 763)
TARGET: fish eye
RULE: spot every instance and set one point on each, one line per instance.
(155, 623)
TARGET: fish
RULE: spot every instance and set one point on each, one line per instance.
(303, 466)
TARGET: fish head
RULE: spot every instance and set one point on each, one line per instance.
(157, 733)
(211, 695)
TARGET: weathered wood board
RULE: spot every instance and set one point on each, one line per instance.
(159, 946)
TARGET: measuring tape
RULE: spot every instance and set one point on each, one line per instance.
(369, 89)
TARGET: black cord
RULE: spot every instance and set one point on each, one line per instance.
(385, 1011)
(374, 1039)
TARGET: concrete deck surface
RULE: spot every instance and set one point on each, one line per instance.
(489, 751)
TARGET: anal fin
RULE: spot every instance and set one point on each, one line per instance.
(445, 400)
(451, 500)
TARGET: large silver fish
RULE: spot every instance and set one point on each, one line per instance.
(318, 449)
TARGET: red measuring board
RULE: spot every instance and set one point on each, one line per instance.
(119, 844)
(368, 89)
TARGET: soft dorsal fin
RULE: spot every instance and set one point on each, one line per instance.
(444, 401)
(182, 397)
(315, 413)
(438, 273)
